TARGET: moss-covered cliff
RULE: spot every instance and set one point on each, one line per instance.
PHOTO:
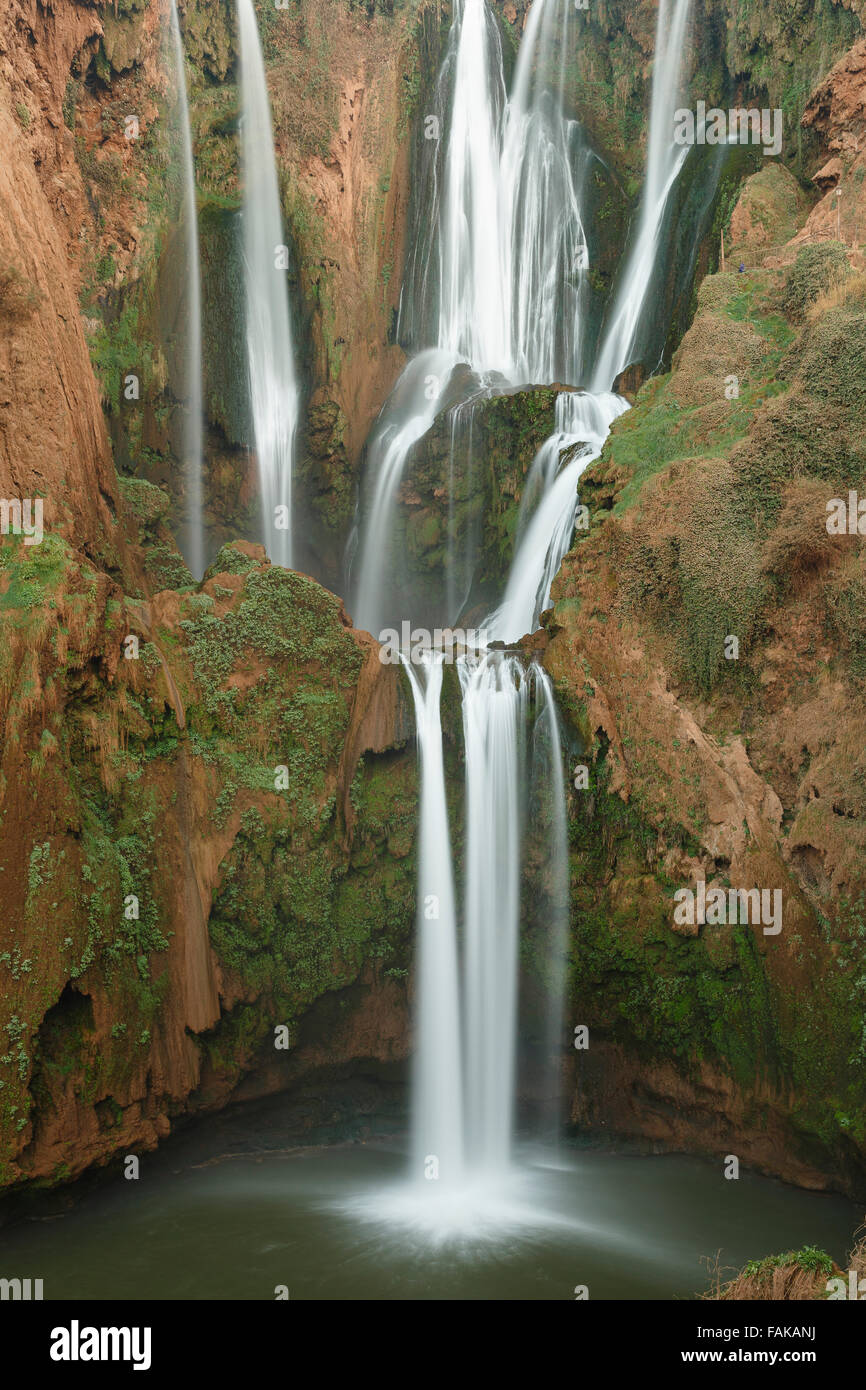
(224, 820)
(733, 763)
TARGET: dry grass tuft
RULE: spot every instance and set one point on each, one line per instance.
(799, 546)
(795, 1277)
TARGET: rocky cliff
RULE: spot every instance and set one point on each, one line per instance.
(168, 904)
(705, 644)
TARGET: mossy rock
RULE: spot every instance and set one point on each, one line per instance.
(234, 558)
(224, 323)
(166, 569)
(461, 496)
(769, 210)
(148, 503)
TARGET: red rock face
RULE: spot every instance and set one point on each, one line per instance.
(619, 1097)
(53, 442)
(837, 112)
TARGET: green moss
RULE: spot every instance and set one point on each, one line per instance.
(34, 573)
(118, 348)
(689, 998)
(293, 920)
(148, 503)
(232, 560)
(479, 459)
(283, 617)
(223, 321)
(166, 569)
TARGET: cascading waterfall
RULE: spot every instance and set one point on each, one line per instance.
(466, 1008)
(192, 539)
(586, 419)
(438, 1089)
(544, 159)
(510, 255)
(453, 292)
(499, 271)
(664, 162)
(507, 242)
(547, 816)
(495, 698)
(582, 425)
(408, 414)
(473, 301)
(274, 395)
(504, 232)
(472, 319)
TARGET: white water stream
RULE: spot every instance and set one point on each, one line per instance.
(582, 425)
(192, 539)
(507, 242)
(495, 699)
(664, 161)
(544, 159)
(438, 1140)
(272, 379)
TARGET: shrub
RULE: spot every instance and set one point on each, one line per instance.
(817, 268)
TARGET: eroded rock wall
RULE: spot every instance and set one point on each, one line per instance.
(705, 652)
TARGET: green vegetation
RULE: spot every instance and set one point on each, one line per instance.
(818, 268)
(809, 1259)
(694, 999)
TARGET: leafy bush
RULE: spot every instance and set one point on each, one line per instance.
(166, 569)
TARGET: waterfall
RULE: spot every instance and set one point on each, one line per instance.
(495, 695)
(502, 227)
(437, 1116)
(582, 425)
(273, 385)
(543, 162)
(498, 274)
(193, 443)
(497, 281)
(462, 238)
(584, 420)
(547, 816)
(473, 300)
(454, 295)
(408, 414)
(664, 162)
(465, 1060)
